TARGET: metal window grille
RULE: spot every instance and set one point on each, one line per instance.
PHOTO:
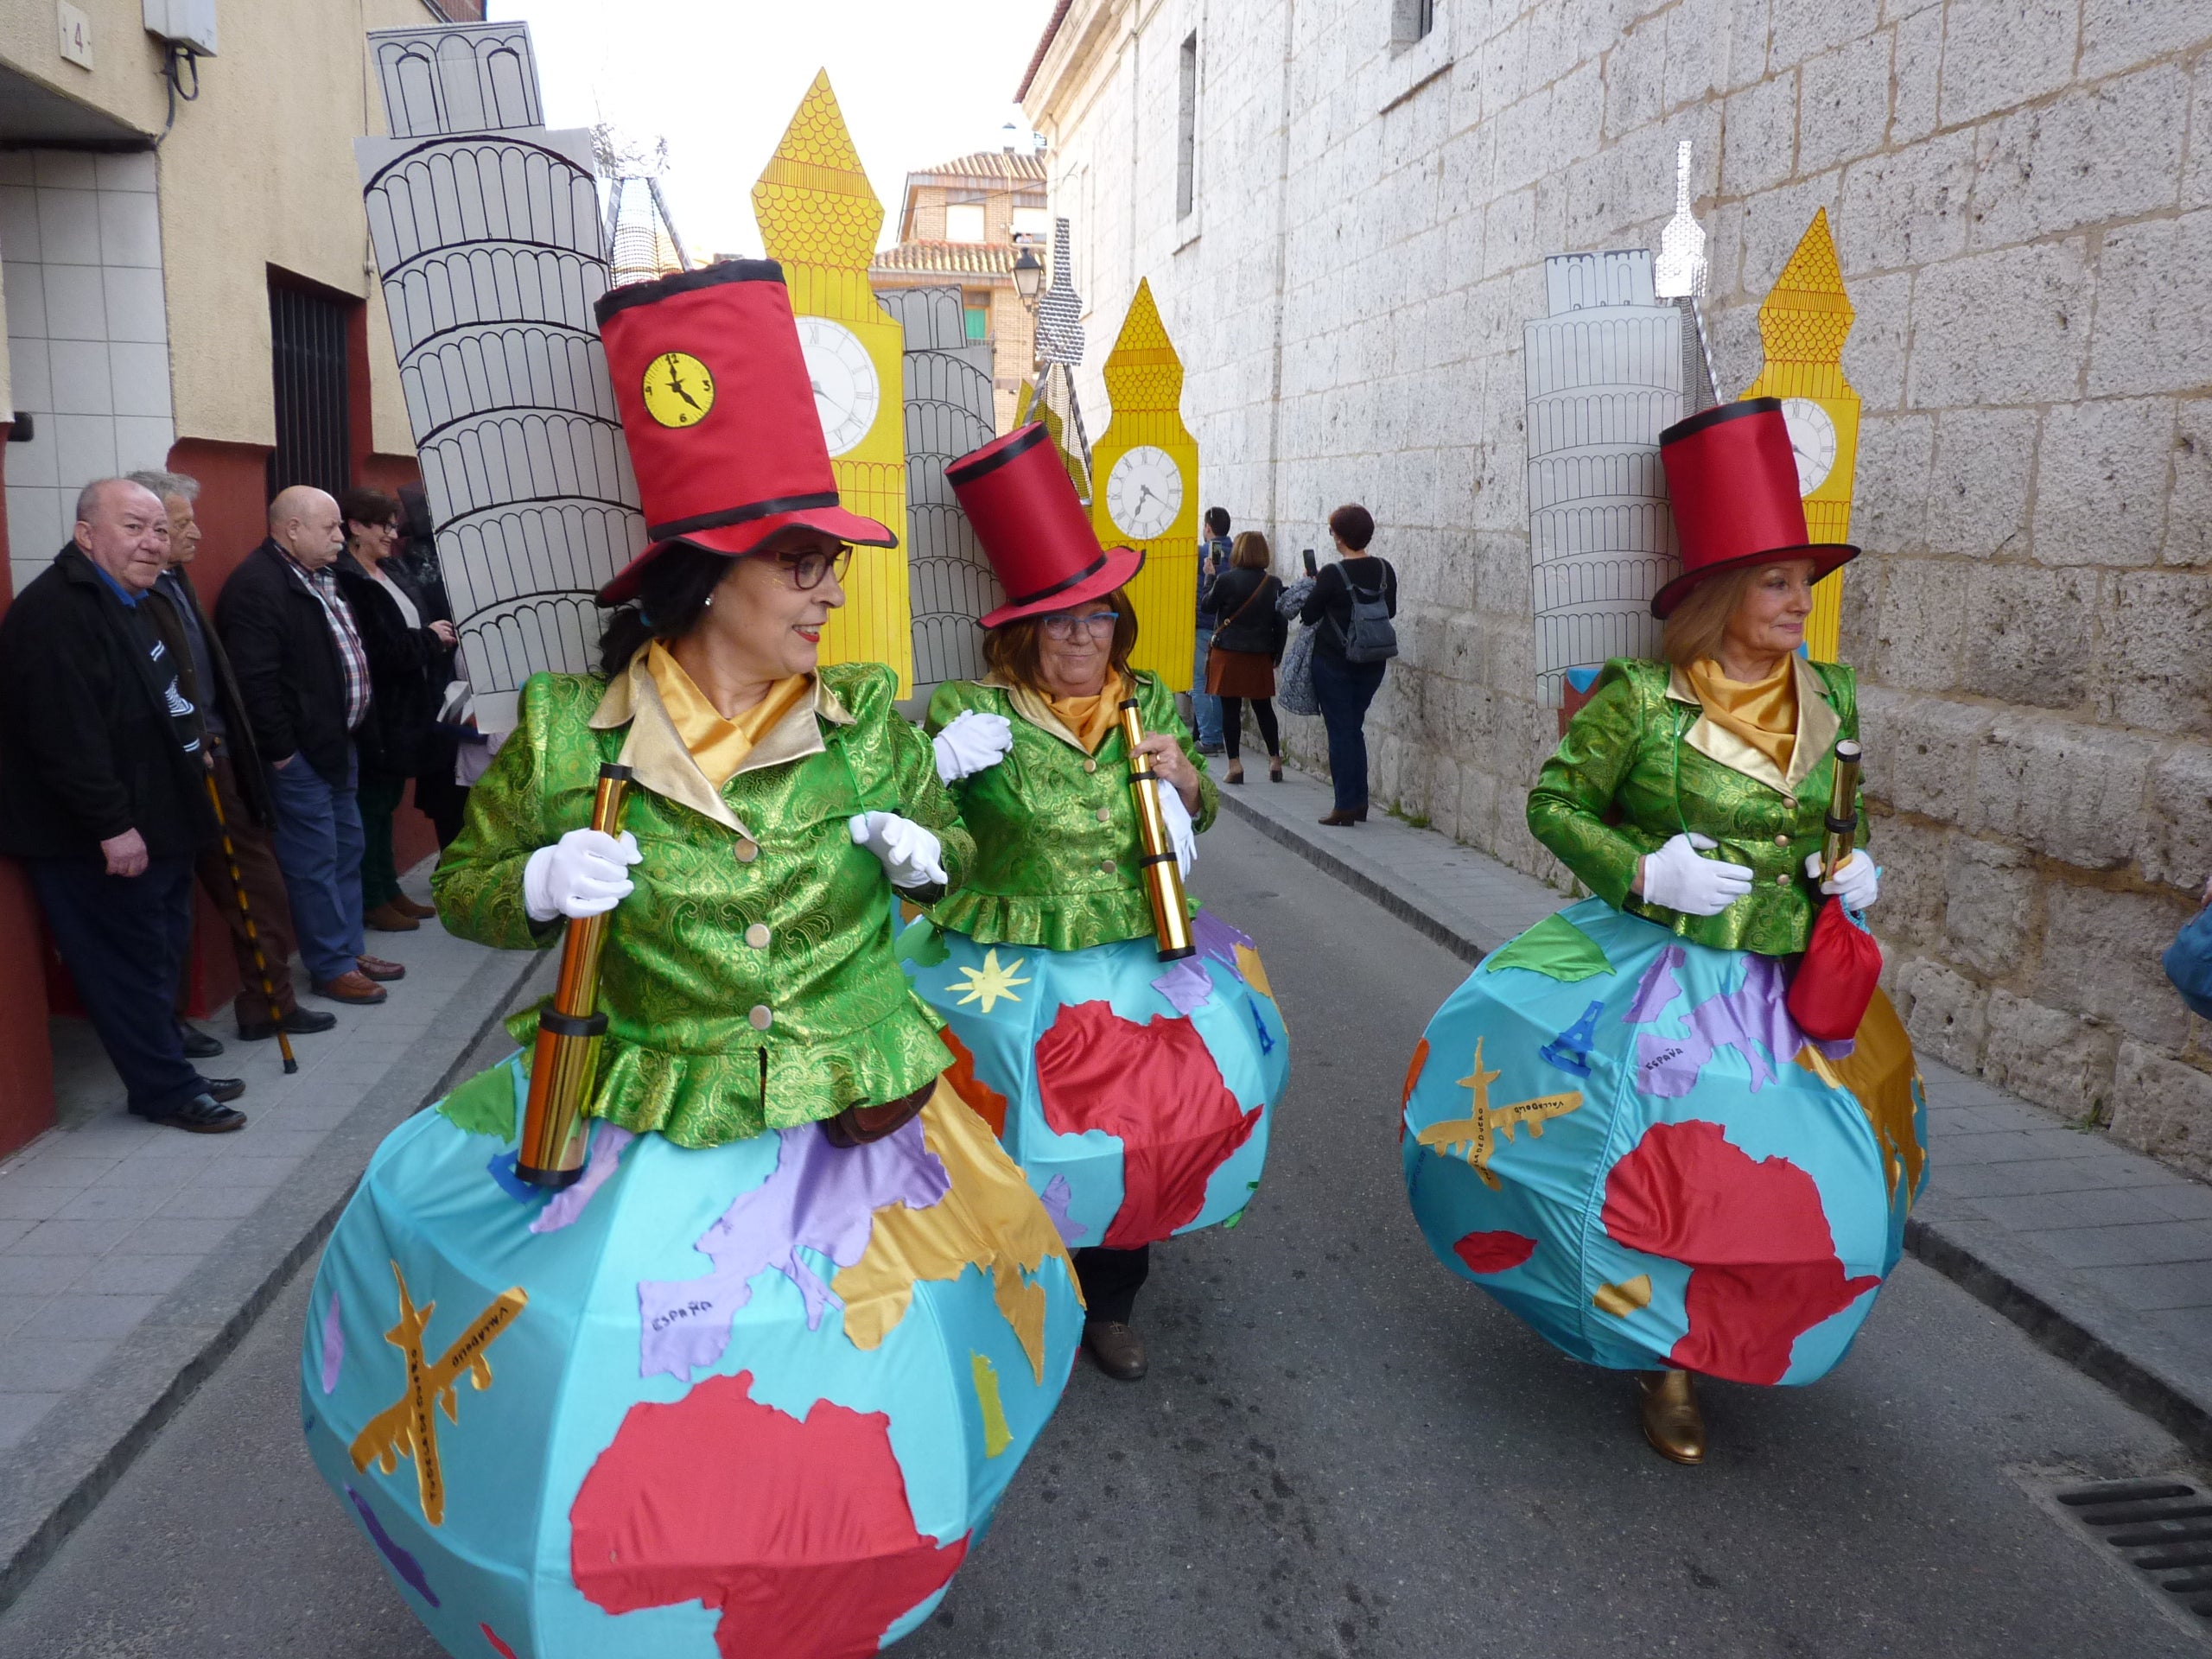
(308, 361)
(1186, 129)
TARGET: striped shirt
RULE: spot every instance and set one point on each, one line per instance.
(352, 655)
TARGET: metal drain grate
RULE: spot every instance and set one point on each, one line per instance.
(2162, 1527)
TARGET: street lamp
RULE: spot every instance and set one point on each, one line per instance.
(1028, 274)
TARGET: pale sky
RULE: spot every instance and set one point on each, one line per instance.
(919, 81)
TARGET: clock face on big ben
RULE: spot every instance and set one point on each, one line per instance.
(847, 392)
(1144, 492)
(1812, 441)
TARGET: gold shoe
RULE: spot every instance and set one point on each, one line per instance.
(1672, 1421)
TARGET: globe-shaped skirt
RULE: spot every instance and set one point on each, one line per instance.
(759, 1399)
(1626, 1139)
(1135, 1094)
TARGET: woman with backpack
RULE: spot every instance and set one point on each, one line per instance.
(1350, 608)
(1248, 642)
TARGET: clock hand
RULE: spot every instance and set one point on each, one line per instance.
(676, 384)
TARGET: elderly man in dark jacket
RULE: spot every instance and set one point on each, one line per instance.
(303, 673)
(106, 798)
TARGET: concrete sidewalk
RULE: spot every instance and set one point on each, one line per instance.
(2104, 1256)
(133, 1258)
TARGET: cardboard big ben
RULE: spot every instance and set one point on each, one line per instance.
(1144, 472)
(1803, 324)
(818, 218)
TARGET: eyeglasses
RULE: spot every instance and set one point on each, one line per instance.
(1099, 624)
(806, 570)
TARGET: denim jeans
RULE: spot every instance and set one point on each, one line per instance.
(1205, 711)
(319, 848)
(1343, 690)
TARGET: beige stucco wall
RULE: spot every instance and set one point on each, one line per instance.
(258, 172)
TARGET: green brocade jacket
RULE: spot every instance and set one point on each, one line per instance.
(748, 983)
(1056, 832)
(1641, 763)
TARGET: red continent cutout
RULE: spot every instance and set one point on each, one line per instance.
(797, 1530)
(1762, 1260)
(498, 1646)
(1494, 1252)
(1156, 1088)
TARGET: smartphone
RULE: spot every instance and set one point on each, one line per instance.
(1310, 569)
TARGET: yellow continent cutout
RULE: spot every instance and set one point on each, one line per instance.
(1882, 1075)
(1477, 1131)
(409, 1428)
(1249, 967)
(1622, 1299)
(997, 1436)
(990, 1219)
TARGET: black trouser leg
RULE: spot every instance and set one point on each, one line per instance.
(1232, 724)
(1264, 713)
(1111, 1279)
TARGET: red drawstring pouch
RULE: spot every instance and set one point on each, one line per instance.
(1836, 977)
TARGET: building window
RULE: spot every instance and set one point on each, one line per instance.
(963, 221)
(1033, 222)
(978, 308)
(1186, 127)
(1411, 21)
(308, 359)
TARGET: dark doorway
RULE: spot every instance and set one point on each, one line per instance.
(308, 359)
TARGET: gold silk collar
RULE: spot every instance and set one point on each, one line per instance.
(1083, 722)
(719, 745)
(660, 760)
(1738, 727)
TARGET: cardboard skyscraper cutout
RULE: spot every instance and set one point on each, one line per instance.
(1605, 377)
(818, 218)
(1051, 398)
(1679, 275)
(1803, 324)
(487, 234)
(1145, 488)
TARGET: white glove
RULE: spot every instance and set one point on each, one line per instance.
(1858, 883)
(1182, 835)
(1677, 878)
(580, 874)
(972, 742)
(909, 852)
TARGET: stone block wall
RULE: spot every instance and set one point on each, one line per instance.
(2021, 194)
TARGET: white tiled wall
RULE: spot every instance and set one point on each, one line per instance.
(80, 242)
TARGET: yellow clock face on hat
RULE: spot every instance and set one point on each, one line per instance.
(678, 390)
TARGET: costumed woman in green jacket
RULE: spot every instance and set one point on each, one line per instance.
(1704, 1184)
(1134, 1092)
(761, 1375)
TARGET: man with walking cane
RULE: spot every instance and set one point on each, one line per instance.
(244, 881)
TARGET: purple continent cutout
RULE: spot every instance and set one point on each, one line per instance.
(1217, 940)
(333, 1345)
(1056, 1198)
(607, 1143)
(1751, 1020)
(1186, 985)
(821, 1197)
(1657, 988)
(410, 1569)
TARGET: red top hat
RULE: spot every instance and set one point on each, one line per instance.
(1733, 477)
(719, 411)
(1017, 494)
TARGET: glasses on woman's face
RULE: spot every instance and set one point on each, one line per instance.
(1098, 625)
(806, 570)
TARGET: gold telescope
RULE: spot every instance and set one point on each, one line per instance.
(1163, 877)
(567, 1055)
(1843, 810)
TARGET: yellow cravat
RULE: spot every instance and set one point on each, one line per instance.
(1764, 715)
(1091, 718)
(718, 746)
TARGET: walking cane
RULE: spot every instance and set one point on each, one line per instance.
(245, 914)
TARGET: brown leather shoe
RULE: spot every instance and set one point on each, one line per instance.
(353, 987)
(1672, 1421)
(407, 907)
(1116, 1348)
(378, 968)
(390, 918)
(858, 1125)
(1341, 818)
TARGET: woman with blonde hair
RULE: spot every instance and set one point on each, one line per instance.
(1704, 1187)
(1248, 642)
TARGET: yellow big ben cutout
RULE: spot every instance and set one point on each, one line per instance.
(818, 218)
(1145, 475)
(1803, 323)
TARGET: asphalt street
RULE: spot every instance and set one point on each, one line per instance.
(1341, 1450)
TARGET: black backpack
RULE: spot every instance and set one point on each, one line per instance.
(1371, 638)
